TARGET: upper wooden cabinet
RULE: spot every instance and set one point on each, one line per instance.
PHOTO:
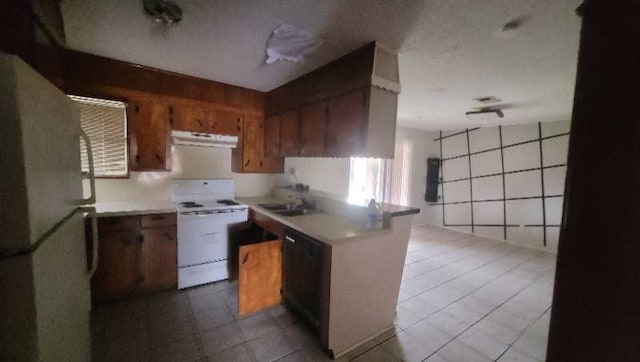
(272, 136)
(199, 119)
(249, 156)
(313, 129)
(290, 133)
(346, 124)
(192, 119)
(149, 135)
(227, 123)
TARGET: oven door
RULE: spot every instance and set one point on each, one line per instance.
(203, 237)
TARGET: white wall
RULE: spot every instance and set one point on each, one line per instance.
(188, 163)
(422, 147)
(329, 175)
(527, 222)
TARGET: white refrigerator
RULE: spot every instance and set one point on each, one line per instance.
(44, 276)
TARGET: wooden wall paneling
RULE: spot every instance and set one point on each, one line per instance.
(313, 129)
(594, 314)
(260, 276)
(272, 135)
(345, 74)
(88, 74)
(149, 136)
(290, 133)
(346, 123)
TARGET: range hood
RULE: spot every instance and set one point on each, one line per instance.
(203, 139)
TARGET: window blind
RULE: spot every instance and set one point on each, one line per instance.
(105, 122)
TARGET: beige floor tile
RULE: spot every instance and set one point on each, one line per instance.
(238, 353)
(221, 338)
(185, 349)
(271, 346)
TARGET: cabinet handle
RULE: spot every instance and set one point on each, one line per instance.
(169, 236)
(247, 163)
(260, 163)
(137, 158)
(140, 239)
(159, 158)
(200, 122)
(289, 238)
(246, 257)
(214, 125)
(136, 108)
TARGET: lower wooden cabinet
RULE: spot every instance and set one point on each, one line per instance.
(158, 259)
(136, 255)
(260, 276)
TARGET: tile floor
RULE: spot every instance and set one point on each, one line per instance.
(463, 298)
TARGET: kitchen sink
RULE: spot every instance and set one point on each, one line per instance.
(298, 212)
(276, 207)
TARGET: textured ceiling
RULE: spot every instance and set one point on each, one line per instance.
(450, 51)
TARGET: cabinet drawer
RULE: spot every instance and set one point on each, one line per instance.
(114, 223)
(157, 220)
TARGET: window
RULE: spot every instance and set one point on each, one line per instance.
(380, 179)
(105, 122)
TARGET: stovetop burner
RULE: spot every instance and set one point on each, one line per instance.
(228, 202)
(190, 204)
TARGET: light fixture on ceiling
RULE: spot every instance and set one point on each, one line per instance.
(163, 11)
(485, 114)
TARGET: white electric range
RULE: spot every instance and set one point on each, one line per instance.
(205, 210)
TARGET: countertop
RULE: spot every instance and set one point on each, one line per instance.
(325, 227)
(124, 208)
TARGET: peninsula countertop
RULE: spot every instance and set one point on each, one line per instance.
(326, 227)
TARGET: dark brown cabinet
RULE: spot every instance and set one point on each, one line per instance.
(149, 135)
(117, 273)
(290, 133)
(158, 258)
(347, 124)
(313, 129)
(272, 136)
(136, 255)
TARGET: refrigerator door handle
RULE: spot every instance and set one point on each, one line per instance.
(91, 174)
(94, 238)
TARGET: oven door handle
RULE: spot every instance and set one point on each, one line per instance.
(212, 233)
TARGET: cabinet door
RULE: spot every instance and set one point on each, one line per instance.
(117, 274)
(253, 144)
(313, 129)
(346, 124)
(272, 136)
(158, 263)
(290, 133)
(189, 118)
(260, 276)
(149, 136)
(227, 123)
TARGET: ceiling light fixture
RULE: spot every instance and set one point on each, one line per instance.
(485, 114)
(163, 11)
